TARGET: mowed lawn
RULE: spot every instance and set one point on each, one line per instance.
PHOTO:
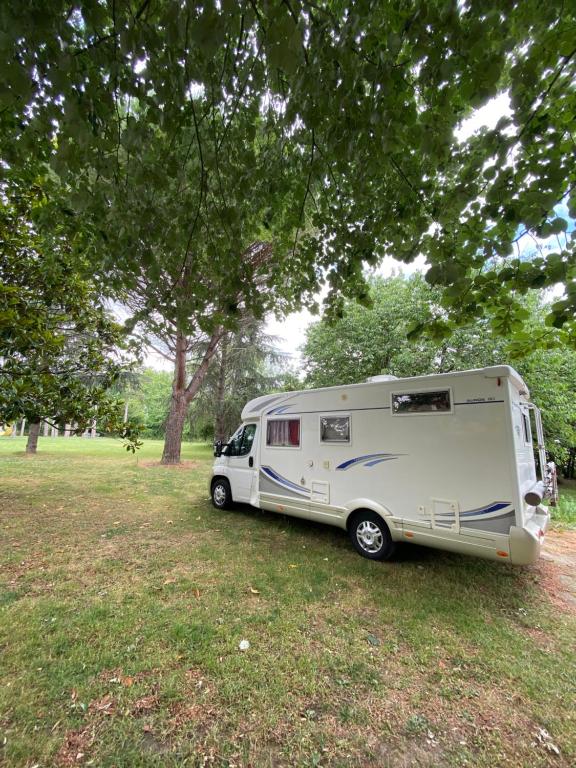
(124, 597)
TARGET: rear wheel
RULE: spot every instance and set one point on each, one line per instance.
(370, 535)
(221, 493)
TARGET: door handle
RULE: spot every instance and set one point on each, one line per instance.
(251, 461)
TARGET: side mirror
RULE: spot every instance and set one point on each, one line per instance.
(218, 448)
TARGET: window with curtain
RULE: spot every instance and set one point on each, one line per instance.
(283, 433)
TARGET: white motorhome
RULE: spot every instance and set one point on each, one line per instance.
(445, 460)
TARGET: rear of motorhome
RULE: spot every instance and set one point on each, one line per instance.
(445, 460)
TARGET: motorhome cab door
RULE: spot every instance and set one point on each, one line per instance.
(242, 469)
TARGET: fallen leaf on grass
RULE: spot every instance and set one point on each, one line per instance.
(145, 704)
(106, 705)
(543, 739)
(254, 591)
(169, 581)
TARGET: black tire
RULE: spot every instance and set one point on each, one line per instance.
(371, 536)
(221, 493)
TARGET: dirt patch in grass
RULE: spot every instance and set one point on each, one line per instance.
(557, 569)
(75, 747)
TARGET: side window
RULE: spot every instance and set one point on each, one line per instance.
(233, 447)
(526, 428)
(335, 429)
(240, 444)
(422, 402)
(247, 439)
(283, 433)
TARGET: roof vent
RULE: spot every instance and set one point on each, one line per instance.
(382, 377)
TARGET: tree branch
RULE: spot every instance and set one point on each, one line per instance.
(302, 209)
(200, 373)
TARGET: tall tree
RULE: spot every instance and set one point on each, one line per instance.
(210, 307)
(359, 101)
(246, 365)
(59, 350)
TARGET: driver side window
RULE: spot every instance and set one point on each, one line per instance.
(240, 443)
(234, 443)
(247, 439)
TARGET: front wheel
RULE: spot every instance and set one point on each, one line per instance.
(370, 536)
(221, 494)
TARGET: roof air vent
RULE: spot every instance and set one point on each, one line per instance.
(382, 377)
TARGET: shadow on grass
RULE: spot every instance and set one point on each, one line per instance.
(452, 587)
(334, 537)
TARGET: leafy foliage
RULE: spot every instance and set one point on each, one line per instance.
(247, 365)
(180, 133)
(369, 341)
(551, 377)
(148, 400)
(59, 350)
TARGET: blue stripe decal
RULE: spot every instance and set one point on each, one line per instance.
(378, 461)
(283, 481)
(370, 460)
(495, 506)
(268, 401)
(280, 409)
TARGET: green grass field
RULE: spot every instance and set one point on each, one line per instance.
(124, 596)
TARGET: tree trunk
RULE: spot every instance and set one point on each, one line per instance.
(33, 433)
(219, 422)
(46, 429)
(174, 428)
(178, 405)
(22, 426)
(183, 395)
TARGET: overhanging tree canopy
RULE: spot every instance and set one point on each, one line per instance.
(361, 100)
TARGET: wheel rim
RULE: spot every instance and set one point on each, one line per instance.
(219, 495)
(369, 537)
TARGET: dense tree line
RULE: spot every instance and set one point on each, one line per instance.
(367, 341)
